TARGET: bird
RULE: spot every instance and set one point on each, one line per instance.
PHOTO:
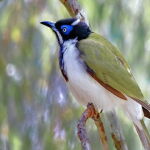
(96, 72)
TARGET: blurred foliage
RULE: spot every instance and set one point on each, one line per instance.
(36, 112)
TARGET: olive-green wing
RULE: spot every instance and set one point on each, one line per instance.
(109, 65)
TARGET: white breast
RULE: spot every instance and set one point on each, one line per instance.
(87, 90)
(82, 85)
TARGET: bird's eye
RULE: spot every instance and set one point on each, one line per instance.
(64, 29)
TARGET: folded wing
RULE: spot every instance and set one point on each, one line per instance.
(109, 68)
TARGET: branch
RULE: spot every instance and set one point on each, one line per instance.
(91, 112)
(116, 132)
(101, 129)
(82, 130)
(74, 9)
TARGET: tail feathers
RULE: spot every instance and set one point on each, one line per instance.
(143, 134)
(134, 111)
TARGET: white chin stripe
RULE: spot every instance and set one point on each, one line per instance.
(75, 22)
(59, 37)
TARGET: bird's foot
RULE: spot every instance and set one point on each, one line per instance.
(92, 112)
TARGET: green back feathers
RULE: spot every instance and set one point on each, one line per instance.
(109, 65)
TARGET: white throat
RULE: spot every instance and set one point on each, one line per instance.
(70, 56)
(70, 43)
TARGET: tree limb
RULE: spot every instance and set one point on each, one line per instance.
(74, 9)
(116, 131)
(82, 129)
(91, 112)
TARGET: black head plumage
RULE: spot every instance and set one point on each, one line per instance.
(70, 28)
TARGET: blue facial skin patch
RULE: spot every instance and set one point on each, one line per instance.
(66, 29)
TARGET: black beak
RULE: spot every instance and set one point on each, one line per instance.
(48, 24)
(55, 30)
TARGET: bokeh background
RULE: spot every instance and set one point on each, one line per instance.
(36, 110)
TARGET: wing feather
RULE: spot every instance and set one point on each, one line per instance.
(110, 67)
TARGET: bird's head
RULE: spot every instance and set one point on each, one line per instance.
(67, 29)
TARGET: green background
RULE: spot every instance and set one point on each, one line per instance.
(36, 110)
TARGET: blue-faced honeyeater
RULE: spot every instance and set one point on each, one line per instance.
(96, 71)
